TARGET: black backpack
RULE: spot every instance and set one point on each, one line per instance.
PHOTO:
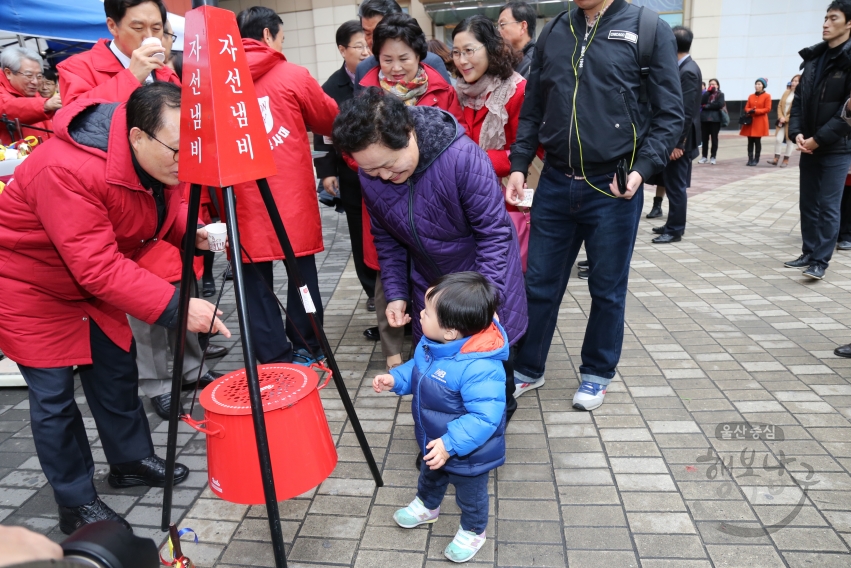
(647, 20)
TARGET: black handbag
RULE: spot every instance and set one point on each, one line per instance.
(745, 119)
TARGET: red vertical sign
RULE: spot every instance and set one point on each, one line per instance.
(222, 138)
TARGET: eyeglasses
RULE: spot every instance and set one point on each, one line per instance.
(359, 47)
(172, 36)
(467, 53)
(29, 76)
(501, 25)
(164, 144)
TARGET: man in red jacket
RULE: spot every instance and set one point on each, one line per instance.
(72, 224)
(19, 96)
(289, 99)
(112, 70)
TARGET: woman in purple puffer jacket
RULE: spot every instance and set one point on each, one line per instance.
(433, 197)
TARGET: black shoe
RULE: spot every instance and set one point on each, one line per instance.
(800, 262)
(666, 238)
(815, 272)
(209, 287)
(659, 230)
(583, 264)
(229, 274)
(370, 304)
(214, 351)
(750, 162)
(843, 351)
(72, 518)
(371, 333)
(203, 381)
(149, 471)
(162, 405)
(583, 273)
(656, 210)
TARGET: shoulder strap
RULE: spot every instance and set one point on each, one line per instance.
(647, 20)
(545, 33)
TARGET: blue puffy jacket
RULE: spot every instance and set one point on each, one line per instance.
(459, 396)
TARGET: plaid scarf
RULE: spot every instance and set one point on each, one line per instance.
(408, 91)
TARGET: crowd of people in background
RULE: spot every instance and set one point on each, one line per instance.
(470, 175)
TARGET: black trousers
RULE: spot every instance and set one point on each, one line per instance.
(754, 147)
(273, 343)
(353, 206)
(710, 130)
(111, 385)
(677, 179)
(845, 215)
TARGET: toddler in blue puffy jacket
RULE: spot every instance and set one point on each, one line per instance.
(458, 382)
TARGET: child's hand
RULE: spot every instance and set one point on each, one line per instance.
(438, 455)
(383, 383)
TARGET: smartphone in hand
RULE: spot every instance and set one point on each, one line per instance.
(620, 176)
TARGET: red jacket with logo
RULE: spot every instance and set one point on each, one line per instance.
(29, 110)
(291, 102)
(72, 223)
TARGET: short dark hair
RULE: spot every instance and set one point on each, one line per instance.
(372, 117)
(347, 30)
(684, 37)
(843, 6)
(402, 27)
(146, 104)
(523, 12)
(51, 74)
(372, 8)
(117, 9)
(464, 301)
(501, 58)
(252, 21)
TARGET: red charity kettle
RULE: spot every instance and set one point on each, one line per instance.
(302, 450)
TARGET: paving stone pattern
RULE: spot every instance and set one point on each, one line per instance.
(717, 332)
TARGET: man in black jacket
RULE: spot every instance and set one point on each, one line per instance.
(676, 177)
(337, 178)
(516, 25)
(822, 136)
(585, 104)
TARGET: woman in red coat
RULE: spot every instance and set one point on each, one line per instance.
(290, 99)
(400, 46)
(757, 107)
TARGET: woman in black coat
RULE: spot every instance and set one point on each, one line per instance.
(710, 118)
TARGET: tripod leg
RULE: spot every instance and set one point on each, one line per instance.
(292, 266)
(259, 420)
(187, 281)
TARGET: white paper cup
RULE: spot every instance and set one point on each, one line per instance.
(217, 235)
(155, 41)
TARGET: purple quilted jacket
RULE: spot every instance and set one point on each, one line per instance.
(449, 216)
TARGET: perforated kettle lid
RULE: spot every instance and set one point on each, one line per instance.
(281, 386)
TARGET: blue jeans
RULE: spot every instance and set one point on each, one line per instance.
(822, 184)
(471, 495)
(565, 213)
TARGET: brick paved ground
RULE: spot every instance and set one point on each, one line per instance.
(717, 332)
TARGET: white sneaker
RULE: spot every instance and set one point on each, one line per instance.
(521, 388)
(589, 396)
(464, 546)
(702, 161)
(712, 161)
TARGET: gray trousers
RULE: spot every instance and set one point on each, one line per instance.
(152, 353)
(392, 338)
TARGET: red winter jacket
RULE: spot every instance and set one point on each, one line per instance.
(29, 110)
(473, 120)
(71, 224)
(291, 102)
(439, 93)
(98, 74)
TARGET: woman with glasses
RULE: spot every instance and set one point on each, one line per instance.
(400, 46)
